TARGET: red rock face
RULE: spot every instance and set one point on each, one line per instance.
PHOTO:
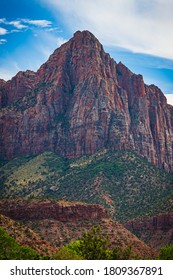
(156, 231)
(80, 101)
(60, 211)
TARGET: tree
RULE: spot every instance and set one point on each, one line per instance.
(11, 250)
(6, 243)
(70, 251)
(166, 252)
(93, 246)
(121, 254)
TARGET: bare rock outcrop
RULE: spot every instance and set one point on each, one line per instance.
(156, 231)
(58, 210)
(80, 101)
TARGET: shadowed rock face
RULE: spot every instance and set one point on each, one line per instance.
(60, 211)
(63, 221)
(156, 231)
(80, 101)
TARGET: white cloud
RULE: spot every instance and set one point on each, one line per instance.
(2, 20)
(52, 29)
(47, 42)
(24, 24)
(169, 98)
(3, 41)
(140, 26)
(3, 31)
(60, 41)
(39, 23)
(17, 24)
(38, 51)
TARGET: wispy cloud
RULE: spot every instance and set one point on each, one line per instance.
(40, 47)
(39, 23)
(17, 24)
(24, 24)
(2, 20)
(3, 31)
(60, 41)
(47, 42)
(139, 26)
(3, 41)
(52, 29)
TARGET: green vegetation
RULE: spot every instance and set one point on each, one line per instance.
(166, 252)
(68, 252)
(11, 250)
(123, 182)
(93, 246)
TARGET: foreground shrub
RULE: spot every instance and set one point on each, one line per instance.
(166, 253)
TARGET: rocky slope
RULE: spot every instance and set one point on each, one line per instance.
(80, 101)
(62, 211)
(25, 236)
(156, 231)
(60, 222)
(123, 182)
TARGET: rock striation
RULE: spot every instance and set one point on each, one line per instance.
(61, 222)
(80, 101)
(156, 231)
(58, 210)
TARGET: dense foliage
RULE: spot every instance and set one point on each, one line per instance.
(117, 180)
(11, 250)
(166, 252)
(93, 246)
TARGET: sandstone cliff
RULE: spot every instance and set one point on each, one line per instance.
(60, 222)
(57, 210)
(80, 101)
(156, 231)
(26, 237)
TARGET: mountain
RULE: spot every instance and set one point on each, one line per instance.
(25, 236)
(63, 211)
(156, 231)
(46, 225)
(81, 101)
(127, 185)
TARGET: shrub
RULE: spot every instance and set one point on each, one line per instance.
(166, 252)
(11, 250)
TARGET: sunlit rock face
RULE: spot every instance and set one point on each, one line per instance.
(80, 101)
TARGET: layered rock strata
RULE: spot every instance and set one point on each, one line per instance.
(80, 101)
(61, 211)
(156, 231)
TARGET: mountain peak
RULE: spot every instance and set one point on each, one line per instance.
(81, 101)
(86, 38)
(84, 33)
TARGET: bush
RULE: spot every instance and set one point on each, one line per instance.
(166, 253)
(93, 246)
(66, 253)
(11, 250)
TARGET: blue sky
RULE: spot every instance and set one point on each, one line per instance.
(137, 32)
